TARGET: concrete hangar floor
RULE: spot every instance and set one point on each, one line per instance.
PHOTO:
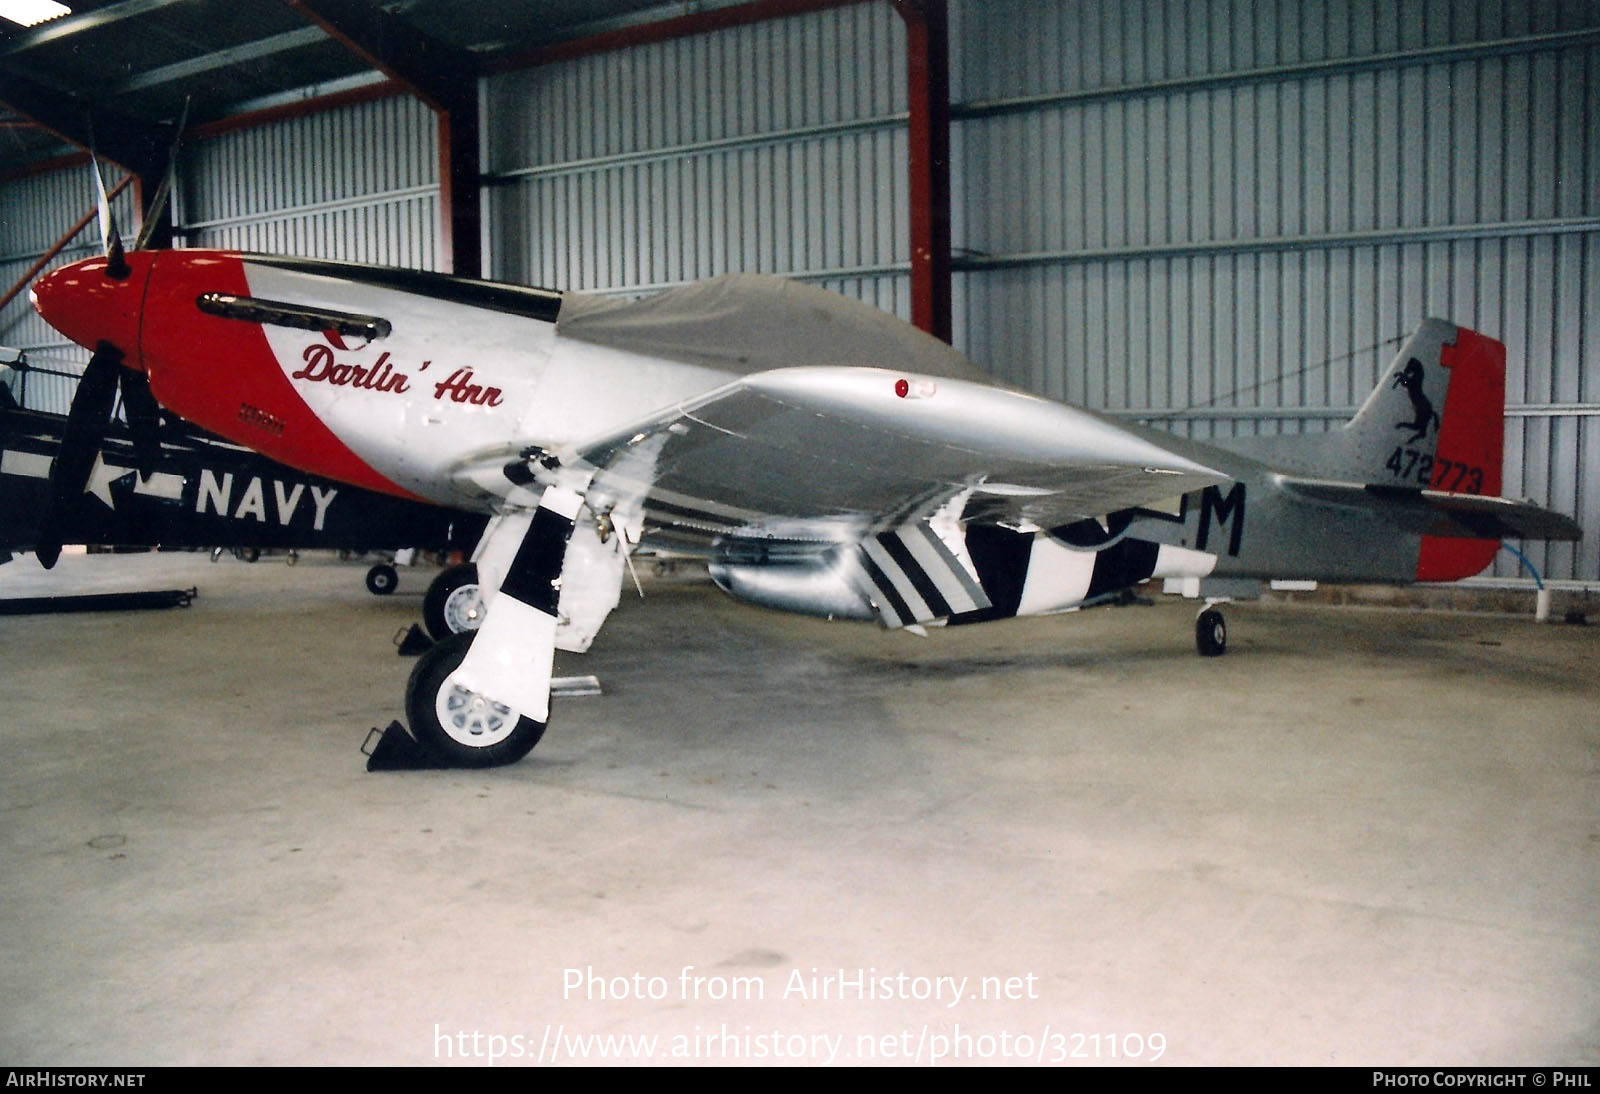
(1362, 837)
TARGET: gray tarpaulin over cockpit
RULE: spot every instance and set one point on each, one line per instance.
(745, 323)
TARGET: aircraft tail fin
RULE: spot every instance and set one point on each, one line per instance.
(1436, 421)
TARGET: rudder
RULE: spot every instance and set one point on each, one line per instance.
(1436, 421)
(1470, 449)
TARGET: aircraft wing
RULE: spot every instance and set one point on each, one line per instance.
(1439, 513)
(835, 452)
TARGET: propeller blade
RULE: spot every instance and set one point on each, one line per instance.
(110, 238)
(144, 419)
(80, 446)
(158, 204)
(153, 217)
(103, 204)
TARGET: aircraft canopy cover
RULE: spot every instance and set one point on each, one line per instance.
(746, 323)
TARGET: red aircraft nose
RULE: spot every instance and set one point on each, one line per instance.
(89, 306)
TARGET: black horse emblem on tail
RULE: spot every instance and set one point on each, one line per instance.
(1410, 378)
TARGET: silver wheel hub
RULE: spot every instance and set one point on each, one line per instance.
(473, 719)
(463, 609)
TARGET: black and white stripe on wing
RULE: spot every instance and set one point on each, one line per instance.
(672, 509)
(911, 576)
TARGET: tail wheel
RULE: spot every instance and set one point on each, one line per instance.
(454, 602)
(382, 579)
(1211, 633)
(461, 727)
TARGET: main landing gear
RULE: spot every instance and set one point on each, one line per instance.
(481, 697)
(461, 727)
(454, 602)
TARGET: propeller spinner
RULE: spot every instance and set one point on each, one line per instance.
(97, 303)
(90, 304)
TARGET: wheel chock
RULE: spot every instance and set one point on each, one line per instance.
(413, 642)
(397, 750)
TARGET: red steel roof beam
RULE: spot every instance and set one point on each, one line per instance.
(928, 76)
(443, 77)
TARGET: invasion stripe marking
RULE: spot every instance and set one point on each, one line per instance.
(880, 590)
(665, 511)
(897, 579)
(919, 578)
(656, 490)
(935, 556)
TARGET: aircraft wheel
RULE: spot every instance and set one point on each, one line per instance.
(247, 554)
(454, 602)
(382, 579)
(460, 726)
(1211, 633)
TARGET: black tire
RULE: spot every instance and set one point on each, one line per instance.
(1211, 633)
(382, 579)
(509, 736)
(247, 554)
(452, 604)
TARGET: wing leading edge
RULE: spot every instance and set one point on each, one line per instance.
(833, 453)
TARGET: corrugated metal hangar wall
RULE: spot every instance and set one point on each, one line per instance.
(1218, 216)
(34, 213)
(359, 184)
(1222, 216)
(778, 148)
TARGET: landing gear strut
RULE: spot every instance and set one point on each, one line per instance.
(459, 726)
(482, 697)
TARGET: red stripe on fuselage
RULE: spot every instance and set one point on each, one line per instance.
(222, 375)
(1471, 436)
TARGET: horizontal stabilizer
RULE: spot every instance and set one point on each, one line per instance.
(1439, 513)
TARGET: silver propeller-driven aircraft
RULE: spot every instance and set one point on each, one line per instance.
(822, 456)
